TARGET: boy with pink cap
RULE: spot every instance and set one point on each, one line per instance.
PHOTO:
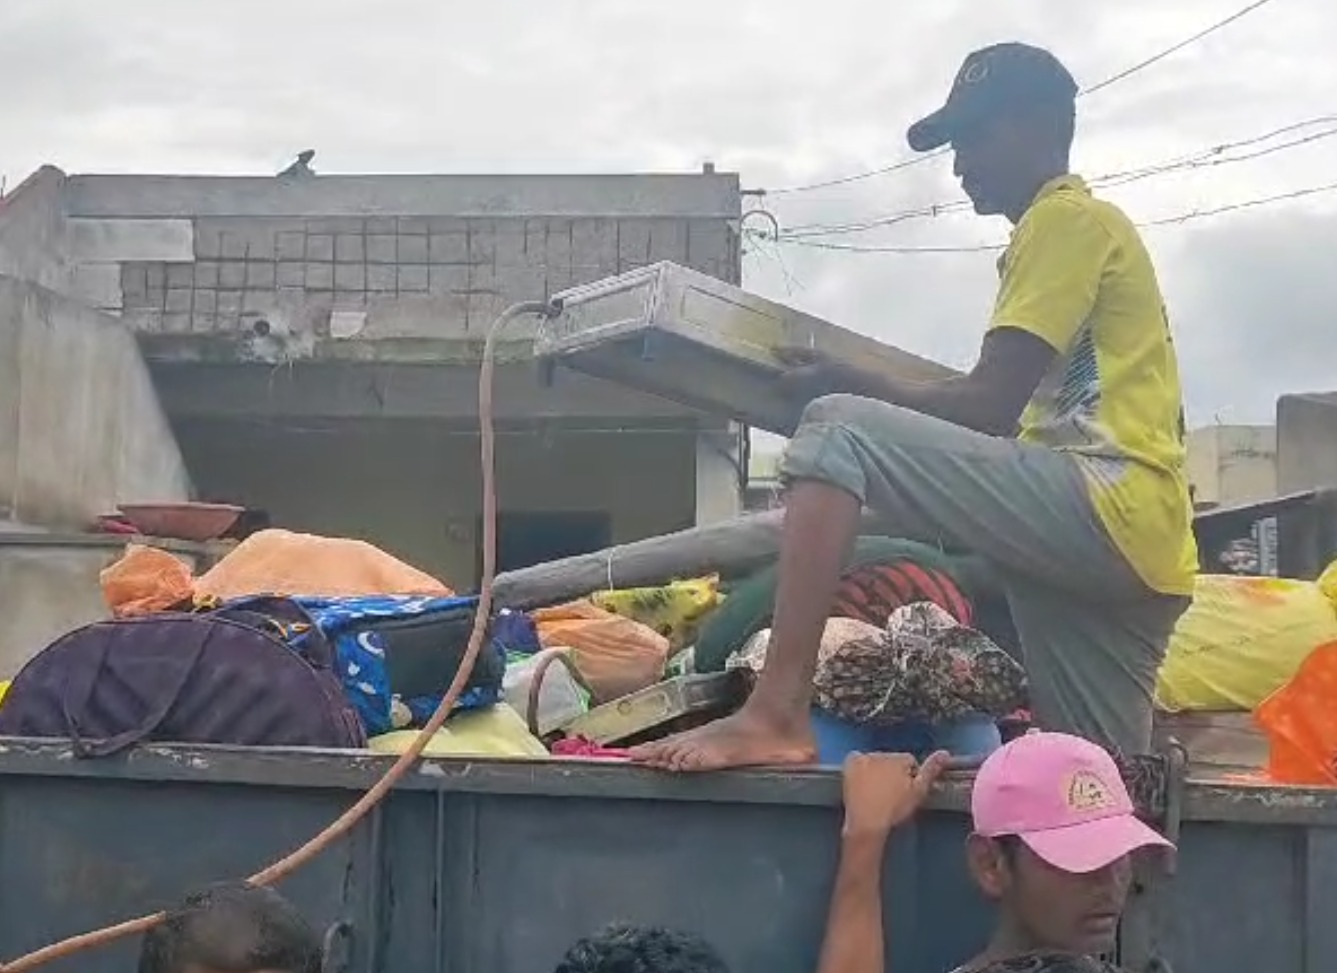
(1054, 829)
(1054, 832)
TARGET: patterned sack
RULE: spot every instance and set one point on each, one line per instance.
(872, 592)
(397, 654)
(837, 632)
(925, 667)
(1044, 962)
(881, 575)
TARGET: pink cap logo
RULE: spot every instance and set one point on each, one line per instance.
(1086, 792)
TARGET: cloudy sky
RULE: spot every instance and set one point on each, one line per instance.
(787, 93)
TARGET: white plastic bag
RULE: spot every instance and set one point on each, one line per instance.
(560, 700)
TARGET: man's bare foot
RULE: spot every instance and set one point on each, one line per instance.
(741, 740)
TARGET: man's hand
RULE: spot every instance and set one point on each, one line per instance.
(810, 375)
(884, 790)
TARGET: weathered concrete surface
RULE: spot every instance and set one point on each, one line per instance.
(80, 425)
(1232, 464)
(108, 240)
(721, 480)
(413, 486)
(708, 195)
(434, 256)
(289, 303)
(49, 586)
(385, 388)
(440, 276)
(1306, 441)
(33, 234)
(420, 256)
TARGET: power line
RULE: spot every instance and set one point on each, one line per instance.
(858, 176)
(877, 248)
(1113, 79)
(1176, 220)
(1198, 214)
(1210, 157)
(1244, 11)
(1214, 156)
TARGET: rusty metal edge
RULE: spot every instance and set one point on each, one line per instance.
(1243, 803)
(356, 770)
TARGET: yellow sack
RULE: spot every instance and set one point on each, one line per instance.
(1241, 640)
(674, 610)
(494, 732)
(1327, 581)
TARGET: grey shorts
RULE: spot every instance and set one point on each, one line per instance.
(1092, 633)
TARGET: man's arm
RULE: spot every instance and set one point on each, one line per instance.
(990, 398)
(854, 941)
(1050, 283)
(882, 791)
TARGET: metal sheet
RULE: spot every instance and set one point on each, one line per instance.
(703, 343)
(658, 705)
(500, 865)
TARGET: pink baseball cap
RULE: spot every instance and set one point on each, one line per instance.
(1063, 796)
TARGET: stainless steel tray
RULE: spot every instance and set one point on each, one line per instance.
(700, 342)
(662, 703)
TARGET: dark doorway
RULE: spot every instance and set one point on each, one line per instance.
(526, 538)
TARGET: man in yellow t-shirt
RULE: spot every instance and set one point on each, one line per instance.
(1059, 457)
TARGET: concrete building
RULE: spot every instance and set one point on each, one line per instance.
(1307, 441)
(763, 482)
(309, 345)
(1230, 465)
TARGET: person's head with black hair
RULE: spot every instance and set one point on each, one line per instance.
(642, 949)
(1009, 119)
(232, 928)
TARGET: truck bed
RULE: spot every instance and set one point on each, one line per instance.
(499, 865)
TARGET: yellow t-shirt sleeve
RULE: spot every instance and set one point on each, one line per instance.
(1052, 271)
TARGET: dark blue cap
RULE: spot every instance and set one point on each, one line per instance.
(991, 81)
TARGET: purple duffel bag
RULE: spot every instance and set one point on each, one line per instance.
(226, 676)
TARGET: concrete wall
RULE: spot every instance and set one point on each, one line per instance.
(33, 235)
(80, 425)
(49, 585)
(353, 256)
(720, 477)
(370, 295)
(1307, 441)
(378, 388)
(411, 277)
(430, 256)
(413, 486)
(1232, 464)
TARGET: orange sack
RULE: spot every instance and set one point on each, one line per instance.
(1300, 720)
(270, 562)
(145, 580)
(617, 656)
(281, 562)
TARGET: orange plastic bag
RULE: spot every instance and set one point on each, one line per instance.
(616, 655)
(145, 580)
(1300, 720)
(280, 562)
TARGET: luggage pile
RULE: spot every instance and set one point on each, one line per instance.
(295, 640)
